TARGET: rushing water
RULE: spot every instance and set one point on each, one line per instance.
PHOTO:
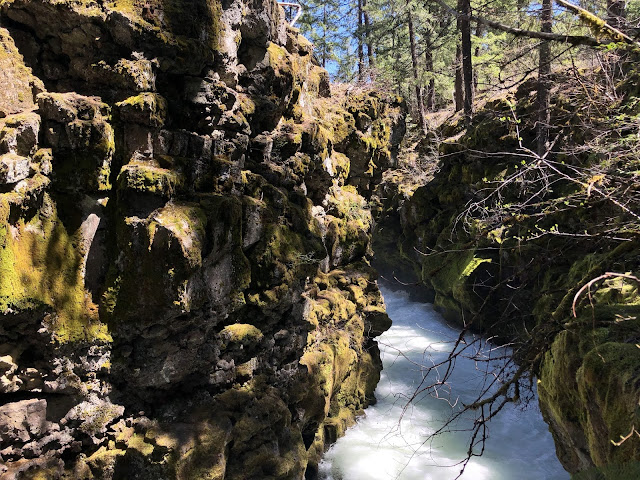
(381, 446)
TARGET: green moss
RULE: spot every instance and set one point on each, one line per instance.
(41, 473)
(279, 58)
(97, 417)
(14, 73)
(86, 166)
(144, 177)
(608, 378)
(138, 443)
(146, 108)
(445, 271)
(473, 264)
(40, 266)
(182, 24)
(241, 333)
(617, 471)
(336, 426)
(282, 256)
(588, 381)
(188, 223)
(246, 105)
(206, 459)
(104, 459)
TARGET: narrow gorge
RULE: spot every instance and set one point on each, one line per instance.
(189, 210)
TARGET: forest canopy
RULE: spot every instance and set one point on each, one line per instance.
(417, 48)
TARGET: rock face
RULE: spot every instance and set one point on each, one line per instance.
(508, 260)
(184, 233)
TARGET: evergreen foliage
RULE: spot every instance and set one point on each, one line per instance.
(501, 59)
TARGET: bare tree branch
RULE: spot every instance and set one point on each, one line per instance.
(588, 286)
(557, 37)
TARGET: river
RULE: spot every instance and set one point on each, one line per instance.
(381, 447)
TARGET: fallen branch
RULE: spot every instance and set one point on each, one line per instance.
(518, 32)
(626, 437)
(597, 23)
(584, 15)
(590, 283)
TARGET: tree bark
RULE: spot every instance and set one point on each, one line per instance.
(544, 71)
(616, 13)
(597, 23)
(431, 86)
(396, 56)
(368, 40)
(458, 87)
(324, 36)
(360, 47)
(414, 63)
(467, 67)
(479, 32)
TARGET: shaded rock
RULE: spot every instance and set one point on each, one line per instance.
(19, 85)
(19, 133)
(81, 140)
(22, 421)
(148, 109)
(13, 168)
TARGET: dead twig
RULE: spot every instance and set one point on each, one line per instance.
(590, 283)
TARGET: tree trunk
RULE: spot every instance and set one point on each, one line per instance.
(458, 94)
(395, 42)
(324, 36)
(544, 71)
(369, 41)
(360, 48)
(616, 13)
(476, 53)
(458, 83)
(467, 68)
(414, 64)
(431, 87)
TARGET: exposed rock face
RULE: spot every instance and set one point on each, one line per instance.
(184, 233)
(515, 273)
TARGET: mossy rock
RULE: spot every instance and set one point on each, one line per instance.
(241, 334)
(40, 265)
(621, 471)
(16, 78)
(159, 256)
(144, 177)
(149, 109)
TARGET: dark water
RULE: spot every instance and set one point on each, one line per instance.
(381, 446)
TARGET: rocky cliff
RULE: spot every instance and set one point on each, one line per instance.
(184, 234)
(504, 240)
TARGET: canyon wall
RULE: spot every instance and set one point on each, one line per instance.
(185, 289)
(504, 242)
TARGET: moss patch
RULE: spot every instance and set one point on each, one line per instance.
(40, 265)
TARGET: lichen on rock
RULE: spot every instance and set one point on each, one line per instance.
(184, 241)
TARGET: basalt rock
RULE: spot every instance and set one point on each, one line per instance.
(184, 239)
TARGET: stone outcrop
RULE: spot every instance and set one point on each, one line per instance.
(508, 257)
(184, 239)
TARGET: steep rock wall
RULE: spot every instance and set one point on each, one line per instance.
(184, 233)
(508, 257)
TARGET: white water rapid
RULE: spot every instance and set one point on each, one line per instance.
(380, 447)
